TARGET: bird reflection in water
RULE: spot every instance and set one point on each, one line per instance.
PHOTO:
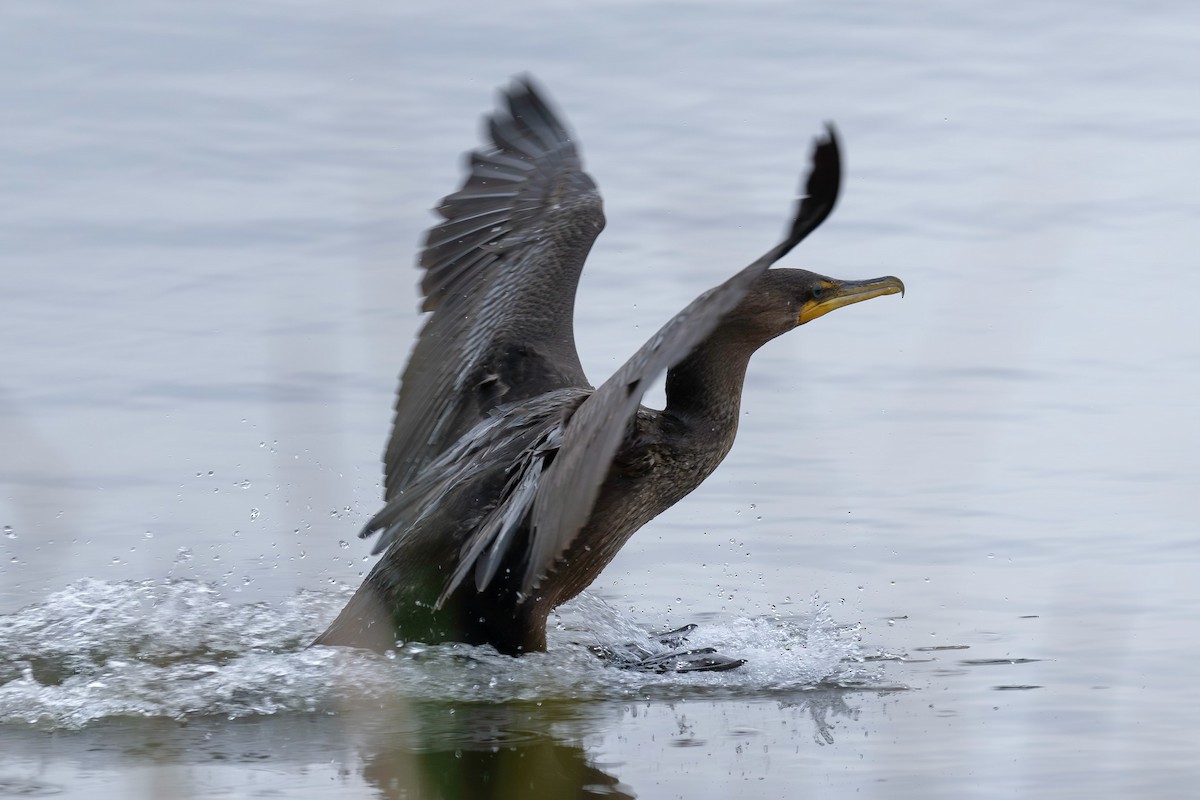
(537, 769)
(510, 482)
(486, 751)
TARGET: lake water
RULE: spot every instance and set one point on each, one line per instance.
(957, 539)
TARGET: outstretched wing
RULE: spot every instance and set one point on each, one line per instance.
(500, 278)
(571, 484)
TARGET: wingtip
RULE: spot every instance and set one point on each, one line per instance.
(524, 84)
(819, 190)
(525, 79)
(524, 111)
(825, 173)
(827, 148)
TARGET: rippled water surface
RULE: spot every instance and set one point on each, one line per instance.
(957, 538)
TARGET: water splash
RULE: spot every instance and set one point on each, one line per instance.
(175, 649)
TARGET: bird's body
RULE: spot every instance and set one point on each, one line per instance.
(510, 481)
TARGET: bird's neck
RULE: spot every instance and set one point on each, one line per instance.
(704, 391)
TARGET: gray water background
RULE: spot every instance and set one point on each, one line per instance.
(210, 213)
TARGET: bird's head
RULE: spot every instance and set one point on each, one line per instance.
(782, 299)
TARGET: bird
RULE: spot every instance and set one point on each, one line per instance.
(510, 481)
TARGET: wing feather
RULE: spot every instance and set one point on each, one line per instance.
(500, 277)
(464, 203)
(570, 486)
(501, 460)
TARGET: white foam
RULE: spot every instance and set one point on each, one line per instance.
(175, 649)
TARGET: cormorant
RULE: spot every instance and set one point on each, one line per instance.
(510, 482)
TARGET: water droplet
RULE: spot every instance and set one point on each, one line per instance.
(254, 513)
(343, 544)
(9, 533)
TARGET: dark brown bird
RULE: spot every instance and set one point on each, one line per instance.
(510, 482)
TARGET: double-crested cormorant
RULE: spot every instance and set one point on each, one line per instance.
(510, 482)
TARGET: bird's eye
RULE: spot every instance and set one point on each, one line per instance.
(819, 292)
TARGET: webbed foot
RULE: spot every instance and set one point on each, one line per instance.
(697, 659)
(681, 659)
